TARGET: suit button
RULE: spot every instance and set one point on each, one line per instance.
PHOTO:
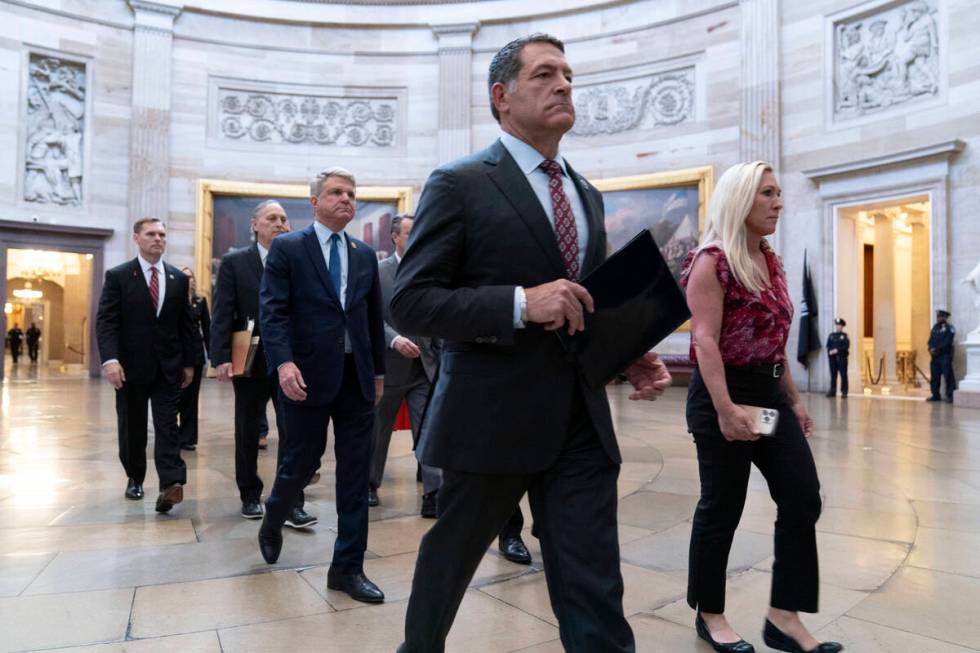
(479, 339)
(493, 338)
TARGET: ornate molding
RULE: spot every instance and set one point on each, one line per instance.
(53, 152)
(944, 150)
(261, 116)
(886, 58)
(660, 99)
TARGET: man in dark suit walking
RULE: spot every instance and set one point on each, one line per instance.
(410, 367)
(499, 241)
(146, 342)
(236, 304)
(33, 342)
(320, 307)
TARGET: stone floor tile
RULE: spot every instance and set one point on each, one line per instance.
(36, 622)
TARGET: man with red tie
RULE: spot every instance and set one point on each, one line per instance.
(146, 341)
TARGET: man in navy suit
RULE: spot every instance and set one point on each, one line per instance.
(146, 341)
(320, 310)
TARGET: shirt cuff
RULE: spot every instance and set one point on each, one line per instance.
(111, 360)
(520, 307)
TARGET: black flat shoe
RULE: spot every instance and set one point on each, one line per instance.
(270, 542)
(134, 490)
(373, 499)
(356, 585)
(514, 550)
(741, 646)
(777, 639)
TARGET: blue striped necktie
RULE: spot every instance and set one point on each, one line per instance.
(335, 263)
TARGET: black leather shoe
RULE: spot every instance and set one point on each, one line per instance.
(373, 499)
(777, 639)
(430, 505)
(741, 646)
(169, 497)
(188, 447)
(933, 399)
(270, 542)
(299, 518)
(514, 550)
(356, 585)
(252, 509)
(830, 394)
(134, 490)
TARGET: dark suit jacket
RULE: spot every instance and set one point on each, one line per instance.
(129, 330)
(201, 321)
(303, 321)
(236, 301)
(398, 369)
(502, 402)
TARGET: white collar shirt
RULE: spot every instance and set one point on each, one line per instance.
(323, 234)
(263, 252)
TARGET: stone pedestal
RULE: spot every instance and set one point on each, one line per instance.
(968, 392)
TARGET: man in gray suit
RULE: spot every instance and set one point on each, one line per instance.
(410, 368)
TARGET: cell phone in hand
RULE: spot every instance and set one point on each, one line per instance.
(765, 419)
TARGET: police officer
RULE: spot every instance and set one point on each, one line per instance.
(15, 336)
(941, 350)
(838, 346)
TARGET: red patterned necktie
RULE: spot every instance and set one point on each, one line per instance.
(564, 220)
(154, 288)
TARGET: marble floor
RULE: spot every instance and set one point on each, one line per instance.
(83, 569)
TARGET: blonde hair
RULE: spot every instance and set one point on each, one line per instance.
(725, 226)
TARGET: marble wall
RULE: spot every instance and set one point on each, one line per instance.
(273, 91)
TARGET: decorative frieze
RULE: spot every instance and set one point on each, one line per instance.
(657, 100)
(886, 58)
(53, 162)
(306, 119)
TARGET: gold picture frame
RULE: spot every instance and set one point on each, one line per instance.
(208, 190)
(672, 205)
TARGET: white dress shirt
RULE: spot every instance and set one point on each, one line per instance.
(323, 234)
(529, 161)
(263, 252)
(161, 278)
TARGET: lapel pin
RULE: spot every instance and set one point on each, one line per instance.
(171, 276)
(353, 245)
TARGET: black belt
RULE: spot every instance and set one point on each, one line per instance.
(773, 371)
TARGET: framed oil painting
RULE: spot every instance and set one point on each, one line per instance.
(225, 210)
(670, 204)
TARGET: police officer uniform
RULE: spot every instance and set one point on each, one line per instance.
(838, 347)
(941, 350)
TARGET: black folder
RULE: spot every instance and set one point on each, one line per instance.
(638, 303)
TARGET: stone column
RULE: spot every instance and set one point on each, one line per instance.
(921, 312)
(455, 88)
(149, 136)
(759, 93)
(884, 297)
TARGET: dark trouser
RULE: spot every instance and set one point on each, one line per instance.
(131, 412)
(32, 348)
(787, 465)
(416, 395)
(838, 365)
(574, 509)
(187, 408)
(252, 394)
(15, 351)
(939, 367)
(353, 426)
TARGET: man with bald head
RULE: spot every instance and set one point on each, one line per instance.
(236, 303)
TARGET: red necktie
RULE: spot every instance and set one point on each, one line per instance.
(154, 288)
(564, 220)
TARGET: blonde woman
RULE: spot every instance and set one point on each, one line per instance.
(187, 406)
(741, 317)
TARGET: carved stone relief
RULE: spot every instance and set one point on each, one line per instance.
(886, 59)
(651, 101)
(55, 128)
(268, 117)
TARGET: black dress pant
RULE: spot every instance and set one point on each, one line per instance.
(252, 395)
(306, 428)
(131, 411)
(574, 508)
(15, 352)
(838, 366)
(187, 408)
(32, 350)
(939, 367)
(787, 465)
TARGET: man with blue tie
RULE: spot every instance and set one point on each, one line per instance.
(321, 319)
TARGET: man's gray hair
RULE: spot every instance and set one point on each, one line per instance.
(317, 184)
(264, 203)
(507, 62)
(396, 223)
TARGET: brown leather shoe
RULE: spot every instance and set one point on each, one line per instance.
(169, 497)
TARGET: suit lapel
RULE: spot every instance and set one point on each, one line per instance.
(514, 186)
(592, 218)
(315, 253)
(255, 264)
(353, 269)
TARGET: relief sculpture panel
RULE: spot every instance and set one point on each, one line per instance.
(55, 129)
(652, 101)
(886, 59)
(317, 120)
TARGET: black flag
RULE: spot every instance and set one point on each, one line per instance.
(809, 339)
